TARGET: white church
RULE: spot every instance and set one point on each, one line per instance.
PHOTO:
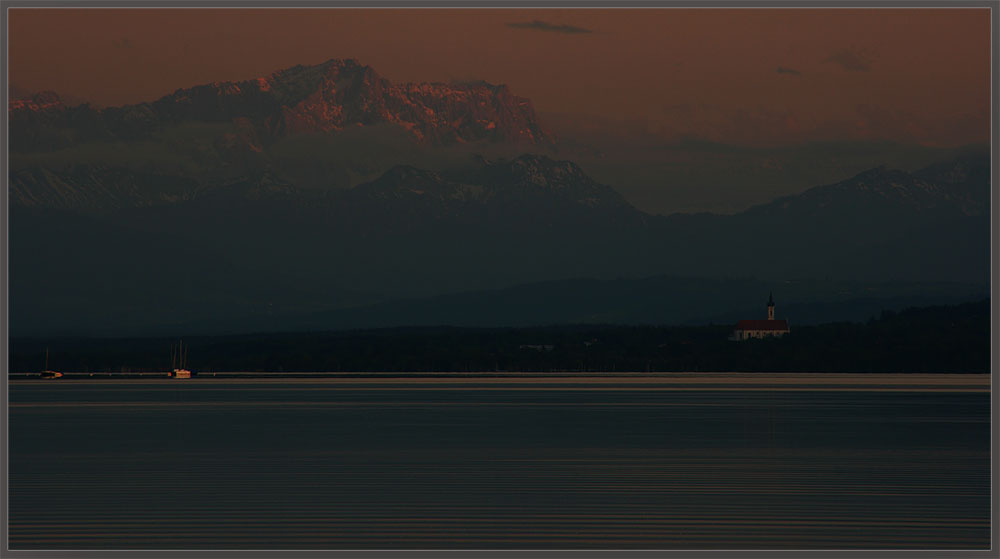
(747, 329)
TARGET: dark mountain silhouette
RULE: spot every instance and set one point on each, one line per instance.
(645, 301)
(523, 192)
(261, 246)
(228, 200)
(97, 189)
(882, 193)
(881, 223)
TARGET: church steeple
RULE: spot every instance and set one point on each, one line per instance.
(770, 306)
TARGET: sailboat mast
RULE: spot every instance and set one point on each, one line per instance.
(46, 359)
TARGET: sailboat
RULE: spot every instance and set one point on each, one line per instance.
(178, 360)
(46, 373)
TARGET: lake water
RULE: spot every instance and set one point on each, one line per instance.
(666, 462)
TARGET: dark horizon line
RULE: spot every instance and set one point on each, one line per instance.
(555, 327)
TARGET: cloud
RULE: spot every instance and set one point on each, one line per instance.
(789, 71)
(852, 59)
(539, 25)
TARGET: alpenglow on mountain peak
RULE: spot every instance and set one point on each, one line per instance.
(307, 99)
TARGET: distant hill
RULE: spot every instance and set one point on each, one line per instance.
(653, 301)
(938, 339)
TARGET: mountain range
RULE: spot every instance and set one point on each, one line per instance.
(114, 243)
(263, 248)
(315, 99)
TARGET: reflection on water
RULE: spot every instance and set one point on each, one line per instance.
(348, 463)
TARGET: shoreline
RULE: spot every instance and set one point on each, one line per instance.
(569, 381)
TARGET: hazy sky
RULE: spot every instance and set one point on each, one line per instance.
(745, 76)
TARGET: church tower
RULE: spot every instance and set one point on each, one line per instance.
(770, 306)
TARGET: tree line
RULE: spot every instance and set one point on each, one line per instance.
(941, 339)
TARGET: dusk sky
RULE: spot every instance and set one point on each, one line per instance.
(749, 76)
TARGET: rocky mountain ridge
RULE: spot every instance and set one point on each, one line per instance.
(959, 187)
(316, 99)
(932, 188)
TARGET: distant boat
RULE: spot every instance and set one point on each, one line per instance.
(178, 362)
(47, 373)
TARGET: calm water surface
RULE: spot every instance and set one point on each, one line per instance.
(723, 462)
